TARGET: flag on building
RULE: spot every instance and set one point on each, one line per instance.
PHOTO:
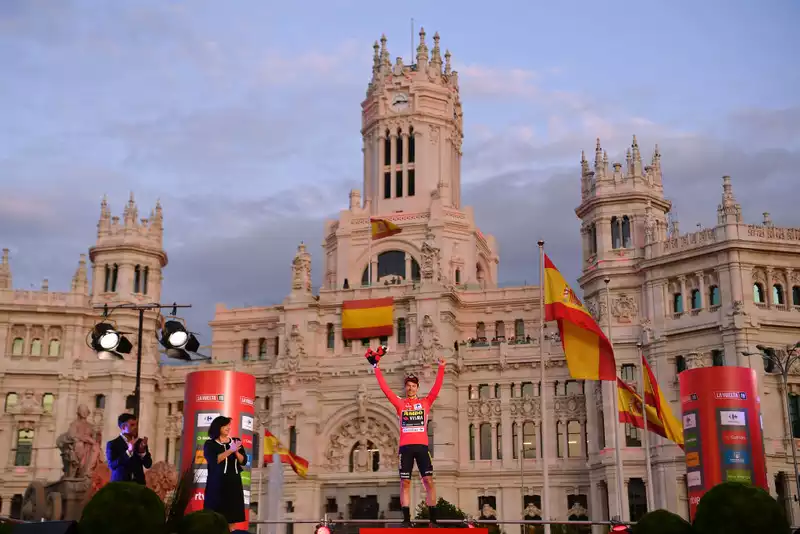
(367, 319)
(630, 411)
(587, 350)
(383, 228)
(273, 446)
(653, 397)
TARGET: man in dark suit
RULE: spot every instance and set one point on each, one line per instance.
(127, 454)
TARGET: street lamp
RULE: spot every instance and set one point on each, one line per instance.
(111, 343)
(782, 360)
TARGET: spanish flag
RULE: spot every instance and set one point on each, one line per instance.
(383, 228)
(654, 398)
(587, 349)
(273, 446)
(366, 319)
(630, 411)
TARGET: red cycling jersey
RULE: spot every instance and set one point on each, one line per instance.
(413, 413)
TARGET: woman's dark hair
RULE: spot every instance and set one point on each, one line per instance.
(216, 426)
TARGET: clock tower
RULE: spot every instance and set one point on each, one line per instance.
(412, 131)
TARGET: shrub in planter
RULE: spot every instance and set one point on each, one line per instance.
(731, 508)
(203, 522)
(446, 510)
(662, 522)
(123, 508)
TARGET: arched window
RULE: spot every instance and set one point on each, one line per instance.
(55, 348)
(245, 349)
(401, 331)
(107, 285)
(399, 155)
(36, 347)
(145, 280)
(293, 439)
(486, 441)
(796, 296)
(11, 401)
(777, 294)
(100, 402)
(392, 268)
(472, 442)
(559, 439)
(500, 330)
(480, 331)
(411, 145)
(497, 391)
(680, 364)
(387, 148)
(330, 336)
(573, 439)
(528, 440)
(519, 329)
(137, 278)
(637, 498)
(262, 348)
(593, 238)
(515, 444)
(24, 453)
(616, 241)
(696, 300)
(130, 403)
(626, 232)
(758, 293)
(621, 232)
(499, 444)
(17, 346)
(458, 276)
(114, 276)
(48, 401)
(373, 459)
(677, 303)
(714, 296)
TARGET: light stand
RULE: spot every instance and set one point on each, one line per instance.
(783, 360)
(105, 351)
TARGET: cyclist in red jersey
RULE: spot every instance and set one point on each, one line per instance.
(413, 414)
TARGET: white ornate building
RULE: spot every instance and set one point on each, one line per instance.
(692, 299)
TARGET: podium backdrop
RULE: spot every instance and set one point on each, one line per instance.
(209, 394)
(721, 429)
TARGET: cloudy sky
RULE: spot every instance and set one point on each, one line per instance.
(243, 118)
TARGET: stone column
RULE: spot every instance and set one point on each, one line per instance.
(392, 160)
(508, 435)
(686, 306)
(768, 289)
(380, 170)
(404, 139)
(701, 285)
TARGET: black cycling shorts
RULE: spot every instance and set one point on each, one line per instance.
(415, 453)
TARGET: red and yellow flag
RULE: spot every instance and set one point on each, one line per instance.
(630, 411)
(653, 397)
(273, 446)
(366, 319)
(586, 348)
(383, 228)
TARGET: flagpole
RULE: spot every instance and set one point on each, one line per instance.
(651, 484)
(617, 452)
(261, 502)
(542, 396)
(369, 254)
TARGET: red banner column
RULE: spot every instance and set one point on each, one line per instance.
(722, 429)
(209, 394)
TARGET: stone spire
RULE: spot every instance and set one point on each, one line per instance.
(130, 215)
(422, 52)
(599, 162)
(80, 280)
(5, 271)
(301, 273)
(729, 211)
(436, 58)
(104, 224)
(636, 160)
(386, 62)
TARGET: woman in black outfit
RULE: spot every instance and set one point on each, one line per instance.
(225, 457)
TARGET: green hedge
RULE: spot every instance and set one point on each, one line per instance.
(123, 508)
(733, 508)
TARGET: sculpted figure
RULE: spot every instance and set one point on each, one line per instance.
(80, 452)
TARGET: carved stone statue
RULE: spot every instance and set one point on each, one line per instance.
(162, 478)
(361, 399)
(531, 512)
(649, 225)
(430, 268)
(295, 349)
(80, 452)
(624, 308)
(694, 360)
(301, 270)
(577, 511)
(428, 341)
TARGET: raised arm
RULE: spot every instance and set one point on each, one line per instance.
(394, 399)
(437, 385)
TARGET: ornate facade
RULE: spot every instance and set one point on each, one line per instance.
(691, 299)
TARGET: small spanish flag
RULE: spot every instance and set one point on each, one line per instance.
(653, 397)
(383, 228)
(367, 319)
(273, 446)
(587, 350)
(630, 411)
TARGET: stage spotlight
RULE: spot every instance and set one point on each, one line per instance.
(108, 342)
(178, 343)
(622, 529)
(322, 529)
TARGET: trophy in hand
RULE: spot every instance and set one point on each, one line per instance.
(374, 356)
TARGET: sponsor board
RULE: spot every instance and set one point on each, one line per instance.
(200, 476)
(246, 494)
(738, 475)
(736, 457)
(734, 437)
(247, 401)
(199, 458)
(204, 419)
(199, 496)
(694, 479)
(247, 423)
(689, 421)
(733, 418)
(692, 459)
(215, 397)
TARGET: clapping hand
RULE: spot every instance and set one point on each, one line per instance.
(142, 446)
(236, 443)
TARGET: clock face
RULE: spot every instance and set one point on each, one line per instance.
(400, 102)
